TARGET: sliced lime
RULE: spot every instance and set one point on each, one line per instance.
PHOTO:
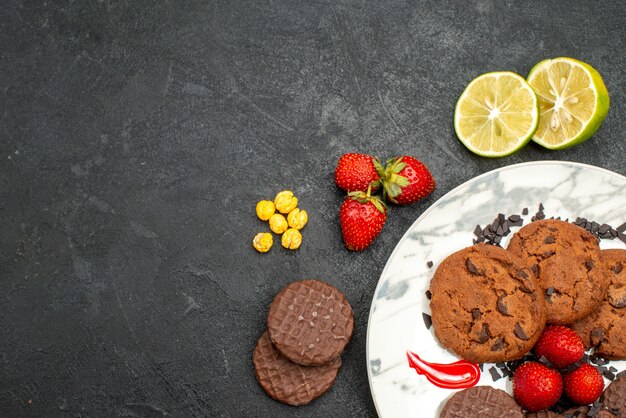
(497, 114)
(573, 101)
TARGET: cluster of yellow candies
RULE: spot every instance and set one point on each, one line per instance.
(285, 203)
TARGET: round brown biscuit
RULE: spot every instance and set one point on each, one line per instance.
(481, 401)
(566, 260)
(614, 397)
(310, 322)
(605, 328)
(485, 306)
(288, 382)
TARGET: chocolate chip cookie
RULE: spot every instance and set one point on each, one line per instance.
(565, 258)
(486, 306)
(605, 328)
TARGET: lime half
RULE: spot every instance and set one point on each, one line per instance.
(573, 101)
(497, 114)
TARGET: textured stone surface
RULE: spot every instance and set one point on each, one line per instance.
(136, 138)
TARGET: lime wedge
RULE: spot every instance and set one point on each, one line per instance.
(497, 114)
(573, 101)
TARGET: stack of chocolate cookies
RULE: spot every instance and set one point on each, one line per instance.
(297, 358)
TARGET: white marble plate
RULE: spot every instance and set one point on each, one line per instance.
(566, 189)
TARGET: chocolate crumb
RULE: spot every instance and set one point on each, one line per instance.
(548, 240)
(478, 231)
(522, 274)
(428, 321)
(609, 375)
(494, 374)
(571, 367)
(519, 332)
(429, 264)
(598, 360)
(541, 206)
(621, 228)
(550, 291)
(514, 218)
(612, 369)
(589, 264)
(604, 228)
(617, 269)
(621, 237)
(428, 295)
(593, 411)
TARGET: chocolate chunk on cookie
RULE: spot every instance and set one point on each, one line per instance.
(481, 401)
(485, 306)
(566, 260)
(614, 397)
(288, 382)
(310, 322)
(605, 328)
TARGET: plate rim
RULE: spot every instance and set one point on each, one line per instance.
(431, 208)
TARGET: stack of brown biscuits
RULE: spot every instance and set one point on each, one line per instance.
(297, 358)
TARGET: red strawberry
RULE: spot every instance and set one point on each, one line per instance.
(584, 385)
(357, 172)
(560, 345)
(407, 180)
(362, 218)
(536, 386)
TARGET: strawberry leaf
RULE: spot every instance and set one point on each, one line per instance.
(393, 189)
(398, 167)
(400, 180)
(378, 204)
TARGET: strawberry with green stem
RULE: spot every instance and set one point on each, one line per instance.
(406, 180)
(362, 217)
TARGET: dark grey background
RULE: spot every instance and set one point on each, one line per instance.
(137, 137)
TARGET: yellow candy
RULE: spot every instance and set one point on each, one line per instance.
(297, 218)
(278, 223)
(285, 201)
(265, 209)
(263, 241)
(291, 239)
